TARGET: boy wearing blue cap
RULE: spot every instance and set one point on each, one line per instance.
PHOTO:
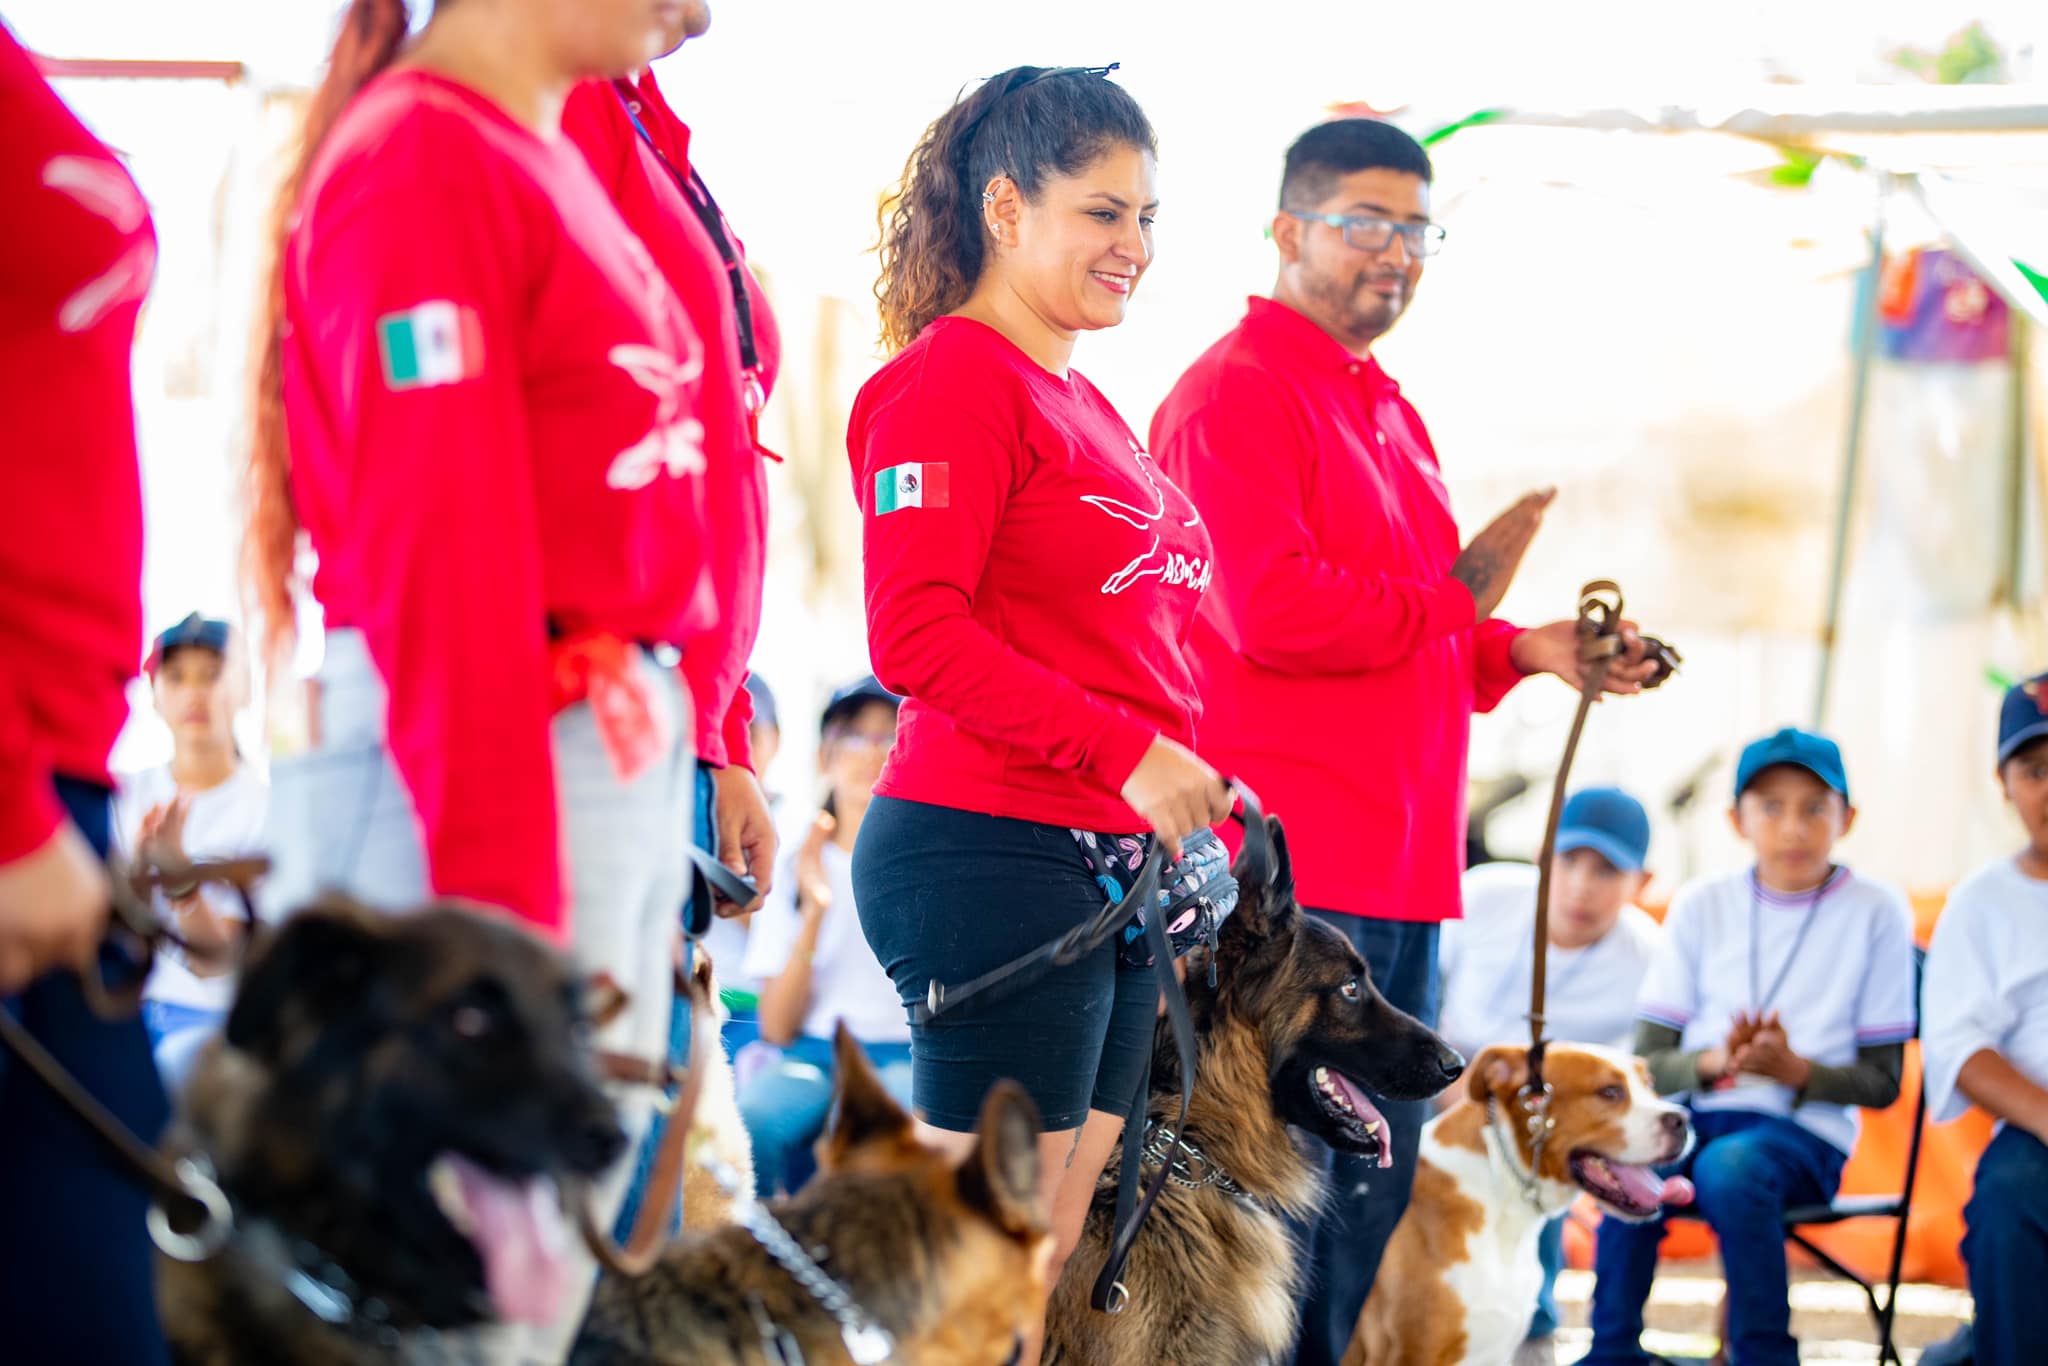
(1985, 1042)
(1601, 944)
(1780, 1001)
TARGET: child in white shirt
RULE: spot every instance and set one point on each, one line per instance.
(1985, 1042)
(1781, 1000)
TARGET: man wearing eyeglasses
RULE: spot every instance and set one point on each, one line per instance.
(1348, 636)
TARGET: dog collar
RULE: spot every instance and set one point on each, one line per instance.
(1182, 1157)
(867, 1342)
(1532, 1190)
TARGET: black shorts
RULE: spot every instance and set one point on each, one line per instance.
(950, 894)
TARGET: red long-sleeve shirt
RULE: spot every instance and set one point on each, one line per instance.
(1032, 589)
(76, 257)
(1338, 660)
(491, 397)
(736, 481)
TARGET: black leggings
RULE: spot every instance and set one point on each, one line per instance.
(75, 1263)
(950, 894)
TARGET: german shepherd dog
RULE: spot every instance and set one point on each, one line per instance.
(949, 1256)
(1292, 1034)
(392, 1111)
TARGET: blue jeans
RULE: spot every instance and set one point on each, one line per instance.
(784, 1108)
(1747, 1170)
(1549, 1250)
(176, 1034)
(75, 1264)
(2006, 1246)
(1346, 1241)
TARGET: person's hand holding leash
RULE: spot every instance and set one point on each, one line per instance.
(746, 833)
(1554, 649)
(1176, 793)
(53, 909)
(1488, 563)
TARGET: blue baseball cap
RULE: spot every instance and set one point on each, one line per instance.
(853, 697)
(208, 633)
(1610, 823)
(764, 702)
(1816, 754)
(2024, 718)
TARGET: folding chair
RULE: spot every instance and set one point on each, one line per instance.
(1897, 1207)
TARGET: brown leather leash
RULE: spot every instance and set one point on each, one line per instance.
(1599, 641)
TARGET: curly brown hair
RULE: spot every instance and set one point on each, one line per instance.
(371, 33)
(1028, 124)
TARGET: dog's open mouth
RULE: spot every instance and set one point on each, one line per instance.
(1357, 1120)
(1634, 1193)
(517, 1228)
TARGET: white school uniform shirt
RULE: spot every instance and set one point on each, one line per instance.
(228, 821)
(847, 981)
(1835, 963)
(1987, 982)
(1489, 956)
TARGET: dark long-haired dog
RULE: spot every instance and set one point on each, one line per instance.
(949, 1256)
(393, 1110)
(1292, 1034)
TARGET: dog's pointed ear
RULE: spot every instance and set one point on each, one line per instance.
(1265, 894)
(309, 967)
(1499, 1070)
(1001, 1175)
(1282, 884)
(863, 1111)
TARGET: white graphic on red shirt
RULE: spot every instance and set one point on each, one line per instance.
(1172, 568)
(674, 444)
(100, 187)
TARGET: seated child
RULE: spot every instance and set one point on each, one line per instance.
(1601, 943)
(807, 949)
(1780, 1000)
(1985, 1042)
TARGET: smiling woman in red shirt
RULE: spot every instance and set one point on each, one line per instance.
(489, 394)
(1031, 580)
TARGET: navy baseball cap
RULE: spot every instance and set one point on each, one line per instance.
(764, 702)
(853, 697)
(1816, 754)
(208, 633)
(1610, 823)
(2024, 718)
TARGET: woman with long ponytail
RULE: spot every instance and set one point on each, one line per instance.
(1031, 578)
(478, 414)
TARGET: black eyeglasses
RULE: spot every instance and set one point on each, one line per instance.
(1370, 232)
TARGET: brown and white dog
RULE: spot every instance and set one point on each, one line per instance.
(1460, 1277)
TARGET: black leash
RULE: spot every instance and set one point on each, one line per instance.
(1109, 1294)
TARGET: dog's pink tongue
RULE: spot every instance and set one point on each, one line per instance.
(1649, 1190)
(523, 1239)
(1368, 1112)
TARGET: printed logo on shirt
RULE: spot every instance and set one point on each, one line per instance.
(674, 444)
(926, 485)
(102, 188)
(430, 344)
(1173, 568)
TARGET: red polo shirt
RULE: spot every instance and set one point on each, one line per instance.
(1031, 581)
(76, 256)
(1338, 661)
(735, 477)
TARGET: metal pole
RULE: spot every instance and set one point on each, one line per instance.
(1852, 453)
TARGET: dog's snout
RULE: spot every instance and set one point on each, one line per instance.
(595, 1139)
(1675, 1124)
(1450, 1062)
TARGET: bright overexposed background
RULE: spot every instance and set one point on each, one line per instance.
(1630, 317)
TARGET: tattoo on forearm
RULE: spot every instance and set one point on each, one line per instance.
(1074, 1151)
(1477, 569)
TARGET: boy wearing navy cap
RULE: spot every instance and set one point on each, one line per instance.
(1779, 1002)
(1985, 1042)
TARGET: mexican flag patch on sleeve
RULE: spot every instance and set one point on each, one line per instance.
(910, 486)
(437, 342)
